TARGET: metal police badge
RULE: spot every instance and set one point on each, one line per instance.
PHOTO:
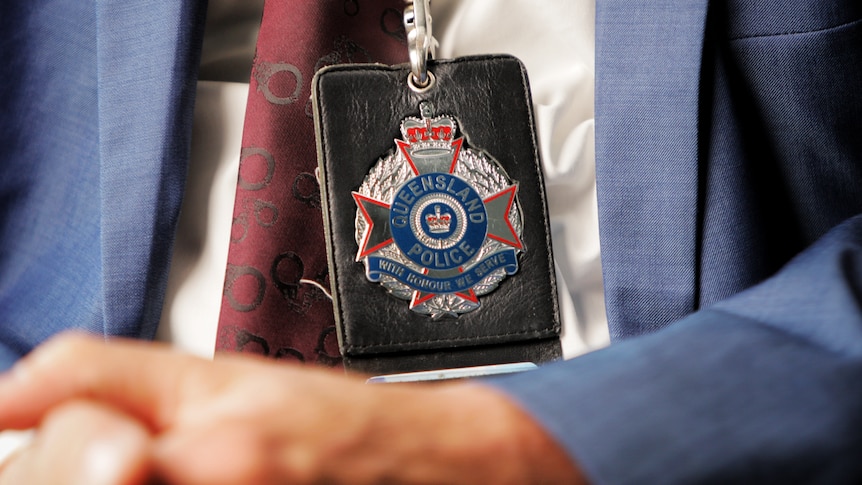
(438, 223)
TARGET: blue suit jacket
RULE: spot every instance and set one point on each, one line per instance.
(727, 146)
(95, 123)
(727, 142)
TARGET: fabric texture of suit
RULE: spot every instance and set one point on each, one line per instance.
(727, 143)
(95, 122)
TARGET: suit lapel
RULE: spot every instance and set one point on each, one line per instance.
(648, 64)
(146, 69)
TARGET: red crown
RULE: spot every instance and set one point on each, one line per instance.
(438, 223)
(428, 136)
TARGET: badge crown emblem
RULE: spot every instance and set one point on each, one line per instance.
(427, 137)
(438, 223)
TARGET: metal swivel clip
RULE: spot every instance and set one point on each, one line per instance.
(421, 44)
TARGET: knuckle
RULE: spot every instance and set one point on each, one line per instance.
(59, 353)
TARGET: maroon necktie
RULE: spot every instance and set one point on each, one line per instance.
(274, 301)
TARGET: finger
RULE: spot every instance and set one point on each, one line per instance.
(144, 380)
(83, 443)
(224, 454)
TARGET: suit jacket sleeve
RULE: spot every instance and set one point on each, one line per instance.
(762, 387)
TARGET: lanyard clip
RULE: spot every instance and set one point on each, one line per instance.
(421, 43)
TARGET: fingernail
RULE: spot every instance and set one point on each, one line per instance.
(102, 463)
(107, 461)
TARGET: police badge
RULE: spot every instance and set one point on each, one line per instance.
(435, 214)
(438, 223)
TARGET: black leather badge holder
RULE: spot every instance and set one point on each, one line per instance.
(437, 230)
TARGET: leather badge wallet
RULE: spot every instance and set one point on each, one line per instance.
(435, 213)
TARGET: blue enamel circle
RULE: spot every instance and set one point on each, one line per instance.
(438, 221)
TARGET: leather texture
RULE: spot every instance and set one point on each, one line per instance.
(359, 110)
(525, 351)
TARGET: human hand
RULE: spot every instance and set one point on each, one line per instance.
(81, 442)
(243, 420)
